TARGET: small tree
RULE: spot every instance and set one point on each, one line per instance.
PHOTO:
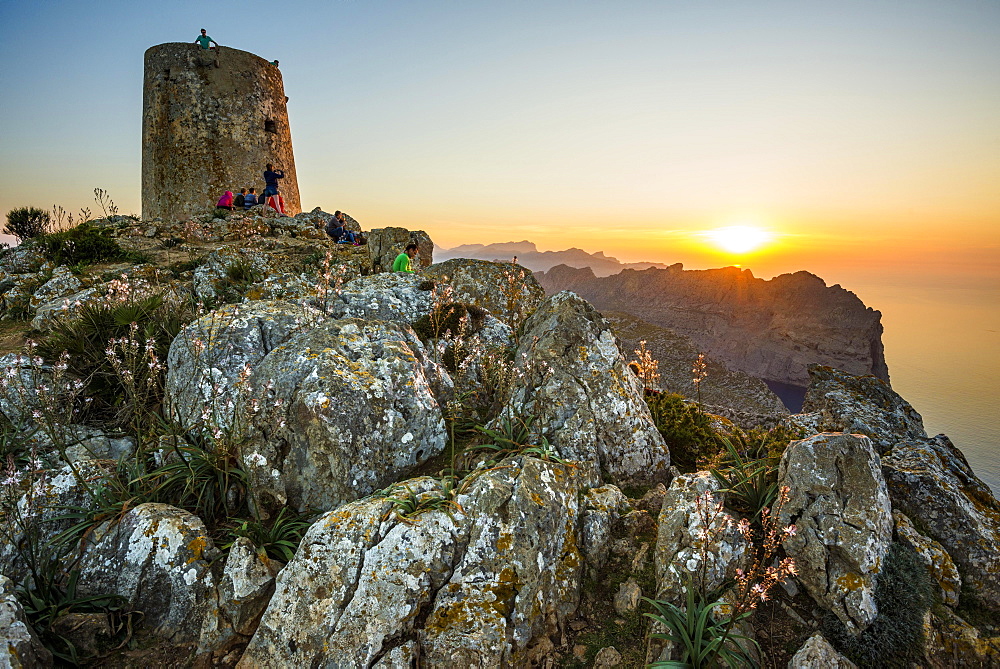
(27, 223)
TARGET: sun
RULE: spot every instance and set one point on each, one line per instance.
(738, 238)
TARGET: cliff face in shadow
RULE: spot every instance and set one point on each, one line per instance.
(771, 329)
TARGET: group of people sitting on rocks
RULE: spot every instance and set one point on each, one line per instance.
(270, 196)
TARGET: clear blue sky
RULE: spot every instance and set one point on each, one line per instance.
(864, 123)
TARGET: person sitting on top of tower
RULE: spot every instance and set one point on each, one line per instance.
(204, 40)
(271, 177)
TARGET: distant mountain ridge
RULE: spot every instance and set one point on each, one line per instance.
(529, 256)
(770, 329)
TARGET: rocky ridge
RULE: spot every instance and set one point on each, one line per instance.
(333, 389)
(772, 330)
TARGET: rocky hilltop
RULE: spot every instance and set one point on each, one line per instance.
(770, 329)
(232, 442)
(529, 256)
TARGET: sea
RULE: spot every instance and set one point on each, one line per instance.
(942, 347)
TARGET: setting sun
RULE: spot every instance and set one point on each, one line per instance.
(738, 238)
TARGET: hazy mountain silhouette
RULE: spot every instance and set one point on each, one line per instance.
(529, 256)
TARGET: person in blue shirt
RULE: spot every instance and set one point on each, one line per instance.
(250, 199)
(271, 177)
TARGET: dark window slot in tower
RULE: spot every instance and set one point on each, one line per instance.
(270, 126)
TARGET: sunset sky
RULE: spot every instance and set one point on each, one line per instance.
(863, 136)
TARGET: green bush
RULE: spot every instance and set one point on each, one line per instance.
(83, 244)
(27, 223)
(279, 538)
(686, 429)
(896, 637)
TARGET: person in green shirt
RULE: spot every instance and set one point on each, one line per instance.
(402, 263)
(204, 40)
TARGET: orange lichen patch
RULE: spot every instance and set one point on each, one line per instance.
(850, 582)
(505, 541)
(197, 547)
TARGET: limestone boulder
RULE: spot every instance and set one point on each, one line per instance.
(158, 559)
(19, 645)
(356, 411)
(940, 566)
(226, 269)
(471, 582)
(22, 378)
(509, 292)
(245, 588)
(861, 405)
(603, 507)
(62, 283)
(384, 244)
(43, 501)
(67, 307)
(390, 296)
(839, 503)
(209, 362)
(697, 541)
(817, 653)
(23, 259)
(931, 482)
(583, 397)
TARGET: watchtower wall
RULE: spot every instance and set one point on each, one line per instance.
(211, 121)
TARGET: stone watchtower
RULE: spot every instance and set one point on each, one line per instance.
(211, 121)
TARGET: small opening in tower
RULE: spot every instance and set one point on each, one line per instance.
(166, 73)
(269, 126)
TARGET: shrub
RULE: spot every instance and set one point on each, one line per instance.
(896, 637)
(278, 538)
(686, 429)
(83, 244)
(27, 223)
(86, 339)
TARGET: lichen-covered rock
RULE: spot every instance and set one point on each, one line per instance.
(284, 287)
(939, 564)
(21, 378)
(861, 405)
(603, 506)
(509, 292)
(697, 540)
(390, 296)
(931, 482)
(357, 412)
(519, 577)
(228, 267)
(245, 588)
(210, 360)
(19, 645)
(157, 559)
(817, 653)
(79, 443)
(66, 307)
(492, 571)
(384, 244)
(24, 259)
(38, 509)
(952, 642)
(840, 506)
(584, 398)
(61, 284)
